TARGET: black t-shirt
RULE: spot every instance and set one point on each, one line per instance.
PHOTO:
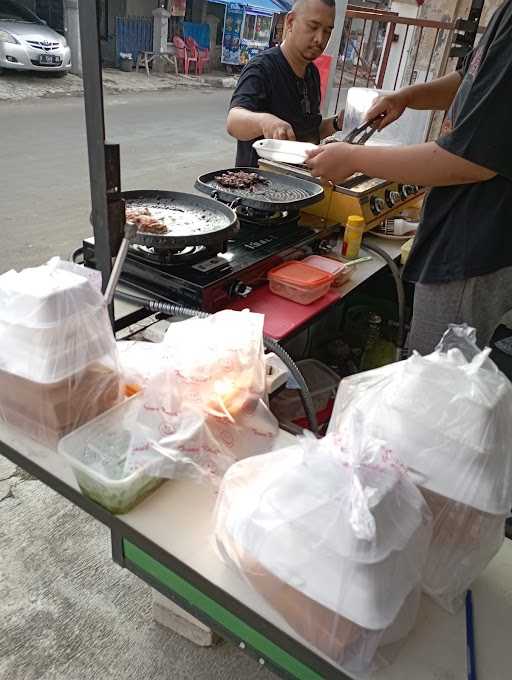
(268, 84)
(466, 230)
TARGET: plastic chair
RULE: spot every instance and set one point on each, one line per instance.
(184, 54)
(203, 57)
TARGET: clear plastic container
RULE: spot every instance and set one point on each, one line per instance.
(339, 270)
(322, 383)
(98, 453)
(299, 282)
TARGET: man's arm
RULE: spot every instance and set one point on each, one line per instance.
(245, 125)
(423, 164)
(436, 95)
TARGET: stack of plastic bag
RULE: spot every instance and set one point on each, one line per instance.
(448, 418)
(58, 357)
(205, 408)
(334, 535)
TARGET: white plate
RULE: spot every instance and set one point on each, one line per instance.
(283, 151)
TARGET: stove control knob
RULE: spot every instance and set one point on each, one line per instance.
(240, 289)
(377, 205)
(392, 198)
(408, 190)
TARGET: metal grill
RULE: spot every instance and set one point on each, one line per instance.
(46, 47)
(280, 192)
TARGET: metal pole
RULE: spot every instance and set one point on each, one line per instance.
(333, 50)
(95, 125)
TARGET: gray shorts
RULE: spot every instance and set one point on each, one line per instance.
(480, 302)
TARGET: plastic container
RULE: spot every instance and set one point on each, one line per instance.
(108, 437)
(337, 269)
(299, 282)
(322, 383)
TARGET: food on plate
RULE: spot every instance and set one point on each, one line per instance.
(145, 221)
(240, 179)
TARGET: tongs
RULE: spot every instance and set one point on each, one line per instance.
(362, 130)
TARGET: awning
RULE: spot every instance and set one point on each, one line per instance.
(258, 6)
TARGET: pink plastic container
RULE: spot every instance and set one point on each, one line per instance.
(299, 282)
(338, 270)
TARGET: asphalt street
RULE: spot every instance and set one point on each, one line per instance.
(167, 139)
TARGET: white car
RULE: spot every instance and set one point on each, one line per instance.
(28, 44)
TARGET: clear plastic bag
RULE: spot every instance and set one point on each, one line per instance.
(205, 407)
(334, 535)
(447, 417)
(58, 358)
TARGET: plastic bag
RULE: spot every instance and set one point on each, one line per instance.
(58, 357)
(140, 361)
(205, 408)
(334, 536)
(447, 417)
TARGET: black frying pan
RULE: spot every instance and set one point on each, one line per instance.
(280, 192)
(191, 220)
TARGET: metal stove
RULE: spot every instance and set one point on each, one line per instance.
(208, 279)
(376, 200)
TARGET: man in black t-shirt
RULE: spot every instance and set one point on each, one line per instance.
(461, 261)
(278, 94)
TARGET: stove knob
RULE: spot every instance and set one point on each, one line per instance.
(240, 289)
(392, 198)
(377, 205)
(408, 190)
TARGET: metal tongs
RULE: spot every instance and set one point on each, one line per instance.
(362, 130)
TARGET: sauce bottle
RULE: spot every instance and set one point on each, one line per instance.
(353, 236)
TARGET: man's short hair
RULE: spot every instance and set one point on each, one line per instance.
(298, 3)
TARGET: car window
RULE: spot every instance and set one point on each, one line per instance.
(12, 11)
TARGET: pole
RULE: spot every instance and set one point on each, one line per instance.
(332, 50)
(72, 33)
(95, 126)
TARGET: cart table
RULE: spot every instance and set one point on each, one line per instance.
(166, 541)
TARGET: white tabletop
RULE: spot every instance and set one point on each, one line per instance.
(178, 517)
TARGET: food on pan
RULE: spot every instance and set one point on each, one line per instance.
(240, 179)
(145, 222)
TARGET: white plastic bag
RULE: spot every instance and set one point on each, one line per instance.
(206, 406)
(334, 535)
(447, 416)
(58, 358)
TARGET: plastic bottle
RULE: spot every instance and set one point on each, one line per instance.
(353, 236)
(378, 351)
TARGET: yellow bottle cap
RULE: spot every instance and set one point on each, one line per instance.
(355, 221)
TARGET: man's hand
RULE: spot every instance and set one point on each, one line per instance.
(273, 127)
(390, 107)
(332, 163)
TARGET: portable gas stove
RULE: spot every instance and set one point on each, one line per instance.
(209, 280)
(374, 199)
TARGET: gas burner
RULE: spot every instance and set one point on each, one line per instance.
(263, 217)
(187, 256)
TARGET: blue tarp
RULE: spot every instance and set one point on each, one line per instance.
(198, 32)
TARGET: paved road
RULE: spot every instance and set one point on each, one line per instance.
(167, 140)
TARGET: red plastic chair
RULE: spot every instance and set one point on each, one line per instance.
(203, 58)
(184, 54)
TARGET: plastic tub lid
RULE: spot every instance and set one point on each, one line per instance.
(297, 273)
(326, 264)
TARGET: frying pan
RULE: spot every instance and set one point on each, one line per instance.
(191, 220)
(280, 192)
